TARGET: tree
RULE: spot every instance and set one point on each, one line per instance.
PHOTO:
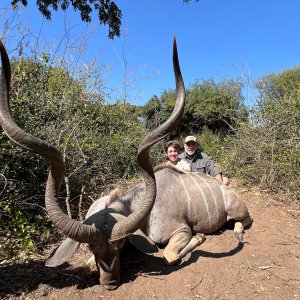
(108, 12)
(216, 106)
(266, 152)
(151, 112)
(275, 88)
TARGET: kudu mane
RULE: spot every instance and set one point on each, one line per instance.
(119, 192)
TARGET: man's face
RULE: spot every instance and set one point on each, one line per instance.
(190, 147)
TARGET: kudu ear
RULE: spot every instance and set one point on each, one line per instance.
(63, 253)
(142, 242)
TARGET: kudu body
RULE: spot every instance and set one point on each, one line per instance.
(186, 206)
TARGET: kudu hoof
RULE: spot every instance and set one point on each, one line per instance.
(239, 231)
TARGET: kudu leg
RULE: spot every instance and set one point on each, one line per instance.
(238, 211)
(180, 244)
(196, 240)
(240, 226)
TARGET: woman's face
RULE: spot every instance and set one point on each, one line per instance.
(172, 154)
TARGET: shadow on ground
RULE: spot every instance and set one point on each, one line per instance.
(17, 279)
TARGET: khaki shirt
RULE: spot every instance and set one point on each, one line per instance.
(182, 165)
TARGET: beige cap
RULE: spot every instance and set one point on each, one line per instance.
(190, 138)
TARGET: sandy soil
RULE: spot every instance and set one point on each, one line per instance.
(266, 266)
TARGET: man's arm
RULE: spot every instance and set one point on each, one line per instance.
(211, 168)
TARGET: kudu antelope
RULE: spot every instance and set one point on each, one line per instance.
(170, 207)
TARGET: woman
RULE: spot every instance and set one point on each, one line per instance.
(172, 152)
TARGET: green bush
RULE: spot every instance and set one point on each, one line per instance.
(266, 152)
(99, 143)
(218, 107)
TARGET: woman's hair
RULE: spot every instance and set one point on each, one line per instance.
(173, 144)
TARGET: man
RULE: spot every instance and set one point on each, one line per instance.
(199, 161)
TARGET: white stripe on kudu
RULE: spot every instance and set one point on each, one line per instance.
(212, 194)
(187, 196)
(203, 196)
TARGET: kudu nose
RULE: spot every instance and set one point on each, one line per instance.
(111, 285)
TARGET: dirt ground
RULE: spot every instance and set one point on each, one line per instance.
(266, 266)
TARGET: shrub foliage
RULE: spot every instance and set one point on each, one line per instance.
(266, 151)
(99, 143)
(260, 146)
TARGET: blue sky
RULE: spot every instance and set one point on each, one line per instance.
(216, 39)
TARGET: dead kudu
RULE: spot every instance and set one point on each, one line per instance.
(169, 207)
